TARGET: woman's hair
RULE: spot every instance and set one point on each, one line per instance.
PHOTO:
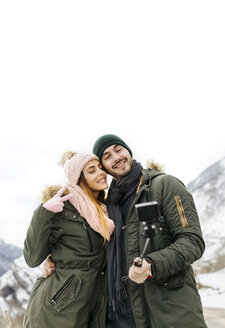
(84, 185)
(97, 202)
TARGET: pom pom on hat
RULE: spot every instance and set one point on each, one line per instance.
(105, 141)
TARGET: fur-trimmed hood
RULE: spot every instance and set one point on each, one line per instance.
(155, 166)
(50, 191)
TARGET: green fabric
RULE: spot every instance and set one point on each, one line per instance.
(169, 299)
(79, 255)
(105, 141)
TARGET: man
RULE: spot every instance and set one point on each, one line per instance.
(162, 292)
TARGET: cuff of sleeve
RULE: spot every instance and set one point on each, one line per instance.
(152, 269)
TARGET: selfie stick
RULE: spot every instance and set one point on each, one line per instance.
(140, 260)
(146, 228)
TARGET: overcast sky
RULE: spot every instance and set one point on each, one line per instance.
(152, 72)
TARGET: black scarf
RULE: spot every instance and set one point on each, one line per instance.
(120, 197)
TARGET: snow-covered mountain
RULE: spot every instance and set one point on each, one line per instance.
(208, 191)
(15, 288)
(8, 253)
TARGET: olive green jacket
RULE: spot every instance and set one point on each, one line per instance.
(74, 295)
(170, 298)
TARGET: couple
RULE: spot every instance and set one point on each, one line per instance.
(80, 234)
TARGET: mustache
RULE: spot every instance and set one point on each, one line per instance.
(118, 162)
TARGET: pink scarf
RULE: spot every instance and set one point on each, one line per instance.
(87, 209)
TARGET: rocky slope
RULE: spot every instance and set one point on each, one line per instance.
(8, 253)
(208, 191)
(15, 288)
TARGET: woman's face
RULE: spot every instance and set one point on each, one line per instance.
(94, 175)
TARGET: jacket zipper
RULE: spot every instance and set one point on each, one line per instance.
(53, 300)
(88, 235)
(181, 212)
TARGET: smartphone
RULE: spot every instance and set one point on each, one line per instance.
(148, 212)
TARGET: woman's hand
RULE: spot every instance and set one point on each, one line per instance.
(140, 274)
(48, 266)
(56, 203)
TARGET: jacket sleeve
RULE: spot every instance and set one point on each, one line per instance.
(183, 228)
(36, 244)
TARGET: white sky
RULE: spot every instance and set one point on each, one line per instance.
(152, 72)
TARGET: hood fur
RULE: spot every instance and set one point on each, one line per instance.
(155, 166)
(51, 191)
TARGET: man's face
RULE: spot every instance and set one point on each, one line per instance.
(117, 161)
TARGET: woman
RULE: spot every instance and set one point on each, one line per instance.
(75, 229)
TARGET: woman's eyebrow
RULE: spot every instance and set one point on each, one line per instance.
(90, 167)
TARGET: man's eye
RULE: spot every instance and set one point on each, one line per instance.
(106, 157)
(118, 149)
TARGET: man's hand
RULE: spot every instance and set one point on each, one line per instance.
(48, 266)
(140, 274)
(56, 203)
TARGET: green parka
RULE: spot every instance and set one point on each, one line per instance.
(74, 295)
(170, 298)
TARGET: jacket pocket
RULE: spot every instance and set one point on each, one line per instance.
(66, 294)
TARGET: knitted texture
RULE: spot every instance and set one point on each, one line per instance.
(105, 141)
(74, 166)
(87, 209)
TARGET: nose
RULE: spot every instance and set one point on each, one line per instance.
(101, 171)
(116, 158)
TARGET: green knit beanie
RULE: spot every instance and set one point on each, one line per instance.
(105, 141)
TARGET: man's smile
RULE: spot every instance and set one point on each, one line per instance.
(119, 164)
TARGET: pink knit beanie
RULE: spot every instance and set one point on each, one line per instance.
(75, 165)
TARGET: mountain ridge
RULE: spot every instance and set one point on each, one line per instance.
(8, 253)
